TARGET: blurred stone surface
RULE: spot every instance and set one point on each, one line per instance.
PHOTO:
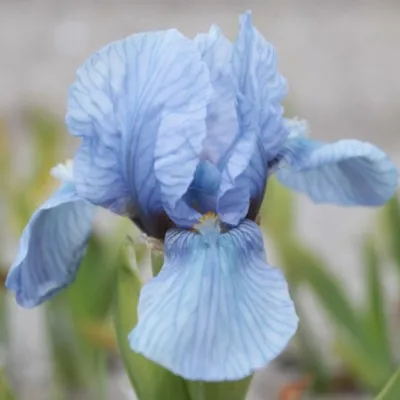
(341, 59)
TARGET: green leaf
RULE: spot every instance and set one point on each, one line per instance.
(47, 133)
(391, 223)
(6, 392)
(235, 390)
(67, 356)
(92, 293)
(311, 359)
(3, 311)
(21, 208)
(349, 324)
(392, 389)
(355, 344)
(277, 210)
(295, 258)
(157, 261)
(332, 297)
(277, 218)
(360, 363)
(77, 318)
(375, 319)
(150, 381)
(5, 389)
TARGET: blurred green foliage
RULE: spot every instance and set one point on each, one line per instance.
(81, 337)
(5, 390)
(363, 333)
(392, 389)
(89, 322)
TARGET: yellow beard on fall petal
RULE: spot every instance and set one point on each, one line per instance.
(208, 221)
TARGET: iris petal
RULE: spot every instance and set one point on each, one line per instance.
(260, 90)
(217, 311)
(245, 196)
(348, 172)
(258, 80)
(51, 247)
(140, 105)
(222, 124)
(204, 188)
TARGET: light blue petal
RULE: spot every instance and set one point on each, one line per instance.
(202, 193)
(222, 124)
(216, 51)
(140, 106)
(244, 197)
(260, 90)
(217, 311)
(348, 172)
(51, 247)
(258, 80)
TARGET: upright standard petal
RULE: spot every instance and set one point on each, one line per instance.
(245, 194)
(217, 311)
(222, 124)
(260, 83)
(51, 247)
(244, 171)
(348, 172)
(140, 106)
(260, 90)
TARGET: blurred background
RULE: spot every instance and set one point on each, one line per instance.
(341, 58)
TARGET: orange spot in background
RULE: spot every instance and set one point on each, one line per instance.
(295, 390)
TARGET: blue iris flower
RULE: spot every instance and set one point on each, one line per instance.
(181, 135)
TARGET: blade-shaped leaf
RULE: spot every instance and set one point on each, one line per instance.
(91, 294)
(360, 363)
(157, 261)
(391, 223)
(295, 257)
(359, 351)
(392, 389)
(64, 343)
(150, 381)
(80, 362)
(6, 392)
(332, 297)
(311, 359)
(5, 389)
(235, 390)
(3, 311)
(277, 210)
(375, 319)
(277, 218)
(77, 321)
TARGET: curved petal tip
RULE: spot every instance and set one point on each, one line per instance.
(51, 248)
(347, 173)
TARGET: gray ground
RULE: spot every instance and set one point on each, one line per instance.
(341, 58)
